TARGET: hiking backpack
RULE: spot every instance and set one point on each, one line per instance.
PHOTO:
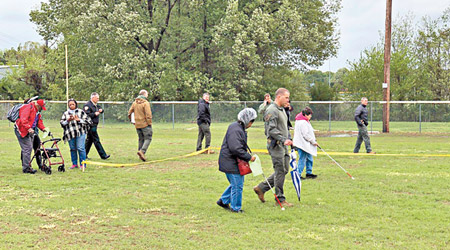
(13, 113)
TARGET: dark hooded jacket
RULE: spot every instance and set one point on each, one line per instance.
(234, 146)
(203, 114)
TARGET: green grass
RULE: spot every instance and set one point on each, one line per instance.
(394, 202)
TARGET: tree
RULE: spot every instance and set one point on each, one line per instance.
(419, 64)
(433, 53)
(179, 49)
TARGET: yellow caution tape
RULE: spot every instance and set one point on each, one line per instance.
(119, 165)
(263, 151)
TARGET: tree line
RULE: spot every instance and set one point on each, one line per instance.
(235, 50)
(179, 49)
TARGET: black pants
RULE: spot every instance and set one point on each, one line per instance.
(92, 137)
(37, 151)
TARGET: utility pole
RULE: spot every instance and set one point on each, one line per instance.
(387, 66)
(67, 75)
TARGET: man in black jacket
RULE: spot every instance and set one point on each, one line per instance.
(203, 122)
(93, 110)
(362, 121)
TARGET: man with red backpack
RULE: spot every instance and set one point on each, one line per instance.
(24, 128)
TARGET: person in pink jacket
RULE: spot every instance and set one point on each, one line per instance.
(305, 142)
(29, 119)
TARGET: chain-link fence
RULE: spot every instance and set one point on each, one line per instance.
(330, 114)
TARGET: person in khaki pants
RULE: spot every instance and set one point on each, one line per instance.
(143, 122)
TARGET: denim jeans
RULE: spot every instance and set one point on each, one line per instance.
(77, 145)
(233, 193)
(304, 159)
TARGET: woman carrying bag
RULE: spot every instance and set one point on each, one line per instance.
(235, 147)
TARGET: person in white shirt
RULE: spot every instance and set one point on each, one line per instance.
(305, 142)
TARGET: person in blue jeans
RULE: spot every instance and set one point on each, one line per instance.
(75, 123)
(305, 142)
(234, 146)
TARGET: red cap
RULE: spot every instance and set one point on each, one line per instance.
(41, 103)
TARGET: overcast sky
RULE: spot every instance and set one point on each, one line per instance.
(360, 23)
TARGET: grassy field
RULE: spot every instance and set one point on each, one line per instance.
(394, 202)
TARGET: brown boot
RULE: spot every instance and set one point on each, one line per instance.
(372, 153)
(141, 155)
(284, 204)
(260, 193)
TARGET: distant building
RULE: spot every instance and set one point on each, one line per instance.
(5, 70)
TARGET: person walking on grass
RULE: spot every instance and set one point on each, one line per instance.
(143, 122)
(75, 123)
(24, 128)
(93, 110)
(36, 138)
(234, 147)
(278, 140)
(305, 142)
(204, 122)
(361, 118)
(267, 101)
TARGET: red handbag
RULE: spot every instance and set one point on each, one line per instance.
(244, 166)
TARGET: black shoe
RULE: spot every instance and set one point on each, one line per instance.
(29, 171)
(302, 178)
(237, 211)
(311, 176)
(220, 203)
(106, 157)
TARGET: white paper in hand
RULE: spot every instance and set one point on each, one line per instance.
(256, 166)
(132, 118)
(45, 133)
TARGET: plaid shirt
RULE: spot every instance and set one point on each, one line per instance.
(74, 128)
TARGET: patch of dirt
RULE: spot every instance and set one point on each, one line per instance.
(446, 203)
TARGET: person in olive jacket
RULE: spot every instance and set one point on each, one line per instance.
(234, 146)
(93, 110)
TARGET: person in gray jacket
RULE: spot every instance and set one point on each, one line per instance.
(362, 122)
(278, 140)
(305, 142)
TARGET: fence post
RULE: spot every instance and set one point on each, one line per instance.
(245, 104)
(371, 112)
(329, 118)
(173, 116)
(420, 117)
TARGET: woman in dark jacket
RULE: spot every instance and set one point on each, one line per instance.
(234, 146)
